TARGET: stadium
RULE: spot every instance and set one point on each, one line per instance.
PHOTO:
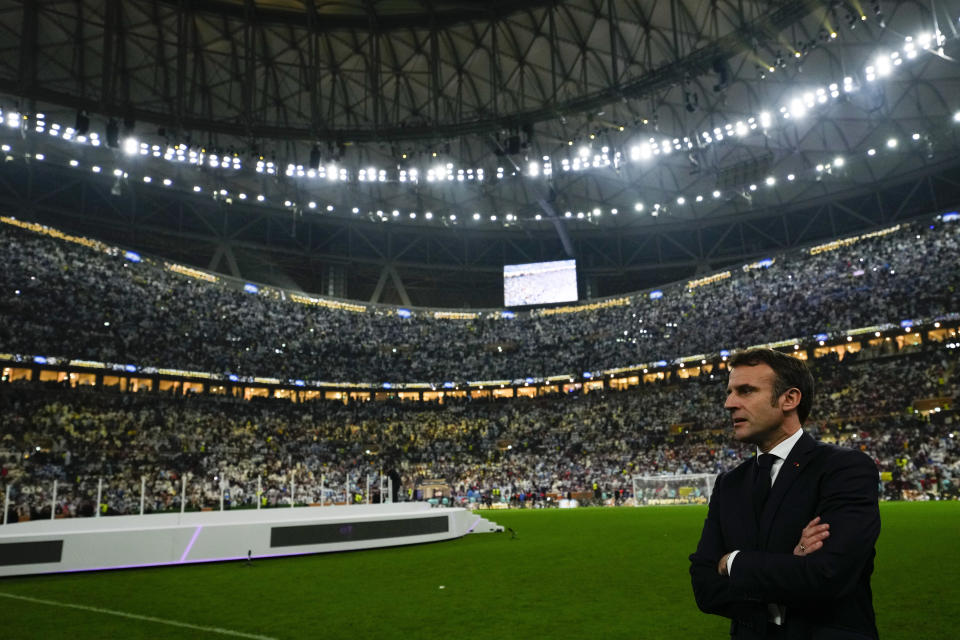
(298, 297)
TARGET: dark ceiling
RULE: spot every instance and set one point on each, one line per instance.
(401, 85)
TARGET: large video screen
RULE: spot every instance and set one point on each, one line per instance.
(539, 283)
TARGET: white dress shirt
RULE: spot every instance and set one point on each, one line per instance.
(781, 451)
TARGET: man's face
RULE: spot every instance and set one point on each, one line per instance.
(757, 416)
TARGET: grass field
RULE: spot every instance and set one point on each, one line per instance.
(585, 573)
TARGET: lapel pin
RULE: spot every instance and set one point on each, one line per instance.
(796, 465)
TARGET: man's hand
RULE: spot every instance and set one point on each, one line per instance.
(812, 537)
(722, 565)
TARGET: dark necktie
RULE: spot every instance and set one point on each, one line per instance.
(761, 482)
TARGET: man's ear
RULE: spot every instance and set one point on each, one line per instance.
(790, 399)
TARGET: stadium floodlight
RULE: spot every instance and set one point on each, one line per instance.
(871, 152)
(797, 108)
(74, 163)
(476, 216)
(95, 169)
(838, 161)
(147, 179)
(196, 188)
(791, 177)
(130, 146)
(356, 210)
(681, 200)
(892, 143)
(538, 217)
(260, 198)
(956, 116)
(883, 65)
(771, 181)
(716, 194)
(453, 217)
(428, 215)
(638, 207)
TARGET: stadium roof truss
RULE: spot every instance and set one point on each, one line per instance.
(402, 84)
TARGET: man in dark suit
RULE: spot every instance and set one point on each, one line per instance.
(749, 565)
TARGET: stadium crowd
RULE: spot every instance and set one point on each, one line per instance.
(519, 449)
(63, 299)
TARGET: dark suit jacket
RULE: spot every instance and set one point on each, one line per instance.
(827, 593)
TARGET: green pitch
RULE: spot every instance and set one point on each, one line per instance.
(585, 573)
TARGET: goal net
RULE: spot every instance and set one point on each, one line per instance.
(693, 488)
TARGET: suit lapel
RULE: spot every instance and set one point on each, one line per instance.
(791, 469)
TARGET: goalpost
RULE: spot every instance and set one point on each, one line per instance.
(692, 488)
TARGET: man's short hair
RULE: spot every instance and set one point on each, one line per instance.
(789, 372)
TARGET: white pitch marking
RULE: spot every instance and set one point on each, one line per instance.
(134, 616)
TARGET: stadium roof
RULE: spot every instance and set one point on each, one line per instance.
(650, 140)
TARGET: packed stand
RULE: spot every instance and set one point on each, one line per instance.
(62, 299)
(484, 450)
